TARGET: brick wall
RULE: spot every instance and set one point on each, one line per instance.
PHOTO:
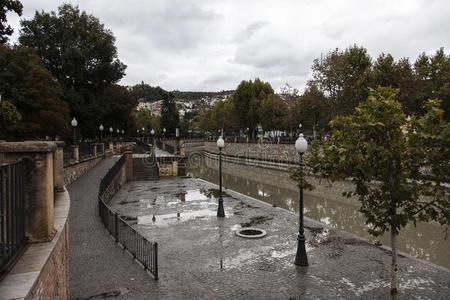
(73, 172)
(53, 282)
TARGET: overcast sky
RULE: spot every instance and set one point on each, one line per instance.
(214, 44)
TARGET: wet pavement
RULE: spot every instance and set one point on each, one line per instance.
(201, 257)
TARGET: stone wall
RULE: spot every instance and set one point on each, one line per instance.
(42, 272)
(284, 153)
(74, 171)
(53, 282)
(116, 184)
(323, 188)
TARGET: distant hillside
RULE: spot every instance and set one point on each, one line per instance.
(151, 94)
(198, 95)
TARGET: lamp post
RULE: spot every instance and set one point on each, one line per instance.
(74, 124)
(137, 133)
(220, 210)
(143, 134)
(101, 132)
(152, 132)
(110, 133)
(123, 134)
(301, 145)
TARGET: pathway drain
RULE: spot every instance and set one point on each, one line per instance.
(251, 233)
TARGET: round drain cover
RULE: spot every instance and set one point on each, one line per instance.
(251, 233)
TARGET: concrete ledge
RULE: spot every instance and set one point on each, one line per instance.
(25, 280)
(28, 146)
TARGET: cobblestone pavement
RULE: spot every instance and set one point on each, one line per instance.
(98, 268)
(202, 258)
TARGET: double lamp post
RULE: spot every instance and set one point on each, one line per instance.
(301, 145)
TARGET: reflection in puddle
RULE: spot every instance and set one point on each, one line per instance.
(168, 219)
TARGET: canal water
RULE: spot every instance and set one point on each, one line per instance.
(425, 241)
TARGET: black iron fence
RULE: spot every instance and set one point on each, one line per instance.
(138, 246)
(12, 213)
(100, 149)
(85, 150)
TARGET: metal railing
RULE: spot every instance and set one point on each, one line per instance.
(68, 155)
(12, 213)
(137, 245)
(100, 149)
(85, 150)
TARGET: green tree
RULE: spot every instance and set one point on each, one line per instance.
(147, 92)
(81, 53)
(389, 73)
(9, 119)
(26, 83)
(144, 119)
(247, 101)
(5, 7)
(343, 77)
(170, 118)
(273, 113)
(381, 152)
(312, 110)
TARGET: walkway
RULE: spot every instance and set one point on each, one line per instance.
(98, 267)
(201, 258)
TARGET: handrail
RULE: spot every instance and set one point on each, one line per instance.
(137, 245)
(12, 213)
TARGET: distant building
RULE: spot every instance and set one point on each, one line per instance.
(153, 107)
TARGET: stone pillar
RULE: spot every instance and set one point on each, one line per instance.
(75, 153)
(58, 167)
(111, 147)
(175, 168)
(103, 148)
(129, 164)
(39, 194)
(94, 150)
(164, 144)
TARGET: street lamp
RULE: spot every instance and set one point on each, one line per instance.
(152, 132)
(110, 133)
(220, 210)
(74, 124)
(301, 145)
(101, 132)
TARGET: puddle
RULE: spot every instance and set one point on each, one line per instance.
(182, 216)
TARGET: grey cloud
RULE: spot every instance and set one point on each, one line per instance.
(214, 44)
(249, 31)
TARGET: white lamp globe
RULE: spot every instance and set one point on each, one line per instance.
(123, 131)
(117, 130)
(164, 129)
(101, 127)
(110, 129)
(74, 122)
(301, 145)
(152, 131)
(220, 142)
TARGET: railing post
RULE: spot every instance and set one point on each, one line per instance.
(116, 232)
(75, 153)
(156, 260)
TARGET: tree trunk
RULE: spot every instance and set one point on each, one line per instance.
(394, 266)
